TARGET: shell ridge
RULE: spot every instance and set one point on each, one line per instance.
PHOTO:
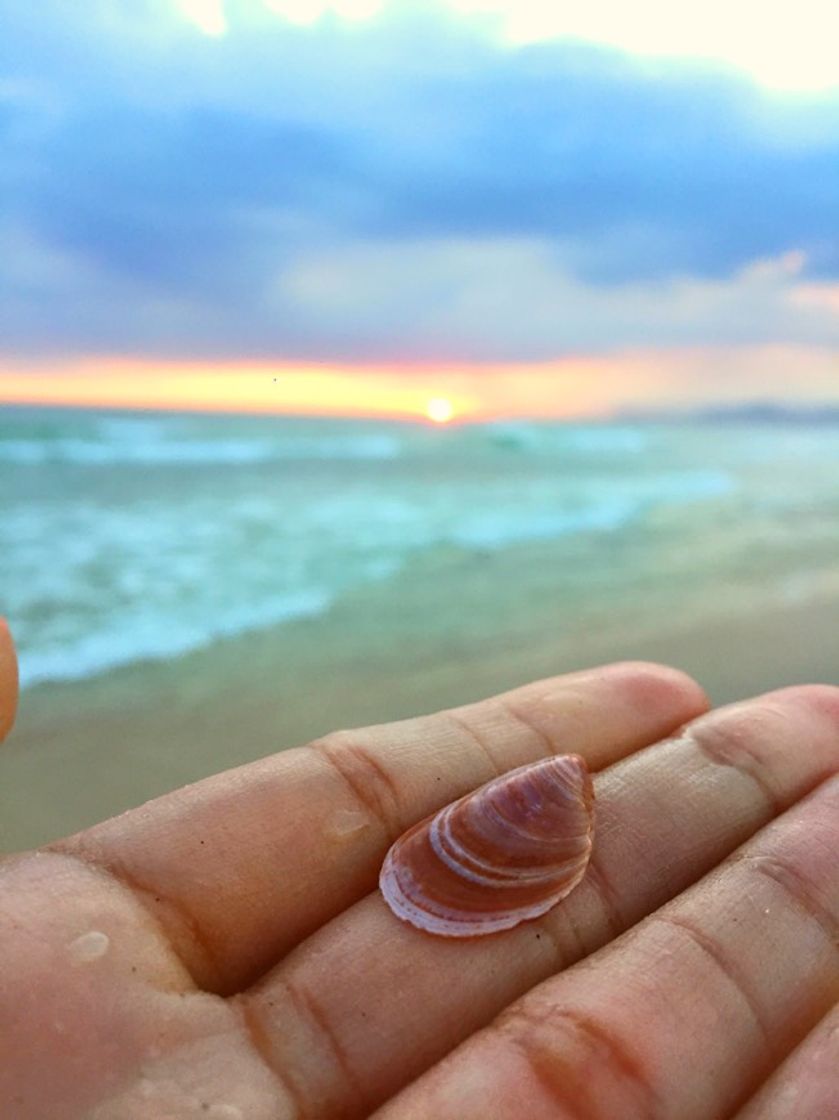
(503, 854)
(540, 839)
(461, 861)
(458, 923)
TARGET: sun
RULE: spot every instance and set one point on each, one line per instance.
(439, 410)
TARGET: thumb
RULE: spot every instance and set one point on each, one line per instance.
(8, 680)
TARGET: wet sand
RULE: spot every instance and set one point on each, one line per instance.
(443, 634)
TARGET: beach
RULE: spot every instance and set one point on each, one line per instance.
(189, 593)
(429, 639)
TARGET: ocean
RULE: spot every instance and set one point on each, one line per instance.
(128, 536)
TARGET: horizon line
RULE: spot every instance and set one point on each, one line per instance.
(791, 408)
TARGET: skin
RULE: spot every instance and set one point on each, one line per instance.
(8, 680)
(222, 952)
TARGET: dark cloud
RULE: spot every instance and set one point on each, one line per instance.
(166, 199)
(550, 146)
(158, 185)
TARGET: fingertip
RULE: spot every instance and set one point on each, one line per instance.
(822, 700)
(809, 712)
(653, 685)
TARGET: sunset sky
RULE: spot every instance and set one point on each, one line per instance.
(366, 205)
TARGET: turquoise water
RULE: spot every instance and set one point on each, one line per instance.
(131, 536)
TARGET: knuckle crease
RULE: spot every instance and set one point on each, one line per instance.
(563, 1049)
(797, 888)
(258, 1036)
(713, 949)
(465, 728)
(734, 751)
(368, 780)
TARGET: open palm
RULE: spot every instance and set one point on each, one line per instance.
(223, 953)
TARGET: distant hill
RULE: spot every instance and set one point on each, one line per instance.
(744, 412)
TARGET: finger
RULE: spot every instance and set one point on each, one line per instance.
(8, 680)
(806, 1086)
(243, 866)
(685, 1016)
(665, 816)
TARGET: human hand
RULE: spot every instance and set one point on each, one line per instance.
(8, 680)
(222, 952)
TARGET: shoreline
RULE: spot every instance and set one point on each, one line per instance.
(440, 634)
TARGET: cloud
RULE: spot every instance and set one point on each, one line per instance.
(402, 185)
(510, 300)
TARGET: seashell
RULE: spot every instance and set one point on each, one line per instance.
(501, 855)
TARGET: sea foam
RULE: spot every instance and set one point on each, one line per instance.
(126, 538)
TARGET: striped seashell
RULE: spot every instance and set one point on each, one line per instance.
(505, 853)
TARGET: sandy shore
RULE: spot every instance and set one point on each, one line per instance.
(446, 633)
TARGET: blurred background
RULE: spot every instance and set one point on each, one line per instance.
(363, 357)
